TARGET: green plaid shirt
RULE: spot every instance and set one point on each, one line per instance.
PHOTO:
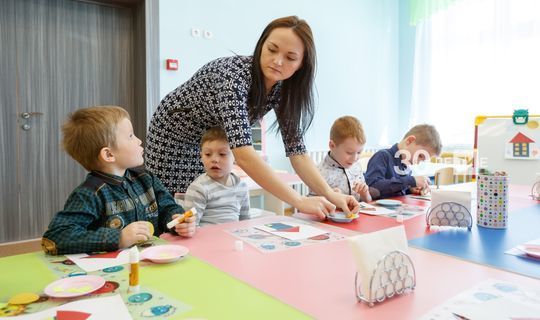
(99, 208)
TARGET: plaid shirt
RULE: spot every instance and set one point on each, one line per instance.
(99, 208)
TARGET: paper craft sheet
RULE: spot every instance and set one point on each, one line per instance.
(379, 211)
(111, 307)
(491, 299)
(89, 264)
(267, 242)
(291, 231)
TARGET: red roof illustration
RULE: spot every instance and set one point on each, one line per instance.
(521, 138)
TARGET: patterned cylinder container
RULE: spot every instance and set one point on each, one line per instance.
(492, 208)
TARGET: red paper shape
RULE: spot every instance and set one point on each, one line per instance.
(71, 315)
(108, 255)
(293, 229)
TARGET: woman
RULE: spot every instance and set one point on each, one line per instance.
(234, 93)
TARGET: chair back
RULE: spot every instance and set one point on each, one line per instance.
(444, 176)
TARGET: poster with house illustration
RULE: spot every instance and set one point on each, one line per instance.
(503, 145)
(522, 146)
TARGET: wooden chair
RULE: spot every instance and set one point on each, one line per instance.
(19, 247)
(444, 176)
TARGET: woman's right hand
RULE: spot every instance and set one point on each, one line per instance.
(317, 206)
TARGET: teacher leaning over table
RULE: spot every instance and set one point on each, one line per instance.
(235, 92)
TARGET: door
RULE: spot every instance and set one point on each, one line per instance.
(62, 55)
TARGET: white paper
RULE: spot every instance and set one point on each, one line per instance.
(491, 299)
(304, 231)
(110, 307)
(369, 248)
(498, 309)
(379, 211)
(461, 197)
(94, 264)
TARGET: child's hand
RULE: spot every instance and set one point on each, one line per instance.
(415, 190)
(135, 232)
(338, 190)
(362, 189)
(187, 227)
(421, 182)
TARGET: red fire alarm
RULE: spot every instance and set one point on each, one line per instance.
(172, 64)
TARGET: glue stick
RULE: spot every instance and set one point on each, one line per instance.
(190, 213)
(134, 270)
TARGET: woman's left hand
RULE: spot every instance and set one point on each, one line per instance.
(346, 203)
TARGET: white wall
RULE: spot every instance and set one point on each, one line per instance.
(357, 45)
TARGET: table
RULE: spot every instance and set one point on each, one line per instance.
(319, 279)
(307, 281)
(211, 293)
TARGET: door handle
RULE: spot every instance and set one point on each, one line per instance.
(26, 115)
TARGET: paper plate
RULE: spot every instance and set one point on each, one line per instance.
(530, 250)
(388, 202)
(341, 217)
(74, 286)
(164, 253)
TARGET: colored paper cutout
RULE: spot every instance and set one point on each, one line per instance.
(107, 255)
(71, 315)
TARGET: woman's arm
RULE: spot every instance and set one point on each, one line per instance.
(249, 160)
(308, 172)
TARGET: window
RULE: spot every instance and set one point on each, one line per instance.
(476, 57)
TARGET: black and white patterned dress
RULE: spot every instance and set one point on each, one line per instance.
(216, 95)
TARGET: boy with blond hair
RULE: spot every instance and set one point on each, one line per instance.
(389, 170)
(340, 168)
(119, 203)
(218, 194)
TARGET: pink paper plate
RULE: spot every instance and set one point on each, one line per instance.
(164, 253)
(531, 250)
(74, 286)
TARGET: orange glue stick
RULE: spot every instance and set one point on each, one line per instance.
(190, 213)
(134, 270)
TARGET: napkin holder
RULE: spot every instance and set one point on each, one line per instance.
(535, 191)
(394, 275)
(450, 214)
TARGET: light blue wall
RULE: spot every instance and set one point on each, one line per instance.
(358, 56)
(407, 34)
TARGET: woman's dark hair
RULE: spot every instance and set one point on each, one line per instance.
(295, 111)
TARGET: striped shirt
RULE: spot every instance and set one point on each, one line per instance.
(218, 203)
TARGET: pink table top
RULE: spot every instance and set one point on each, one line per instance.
(319, 279)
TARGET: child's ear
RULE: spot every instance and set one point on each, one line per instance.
(331, 144)
(410, 139)
(106, 155)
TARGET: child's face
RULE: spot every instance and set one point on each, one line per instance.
(217, 159)
(418, 153)
(128, 152)
(347, 152)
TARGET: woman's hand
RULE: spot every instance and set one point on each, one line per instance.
(317, 206)
(346, 203)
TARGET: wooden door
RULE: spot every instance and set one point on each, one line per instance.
(62, 55)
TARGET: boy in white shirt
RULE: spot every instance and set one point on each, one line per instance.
(218, 194)
(340, 168)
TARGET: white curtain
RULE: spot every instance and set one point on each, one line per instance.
(477, 57)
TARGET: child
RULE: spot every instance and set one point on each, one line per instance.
(218, 194)
(111, 209)
(340, 167)
(388, 170)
